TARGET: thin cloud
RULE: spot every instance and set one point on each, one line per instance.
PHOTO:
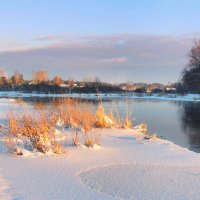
(114, 60)
(49, 37)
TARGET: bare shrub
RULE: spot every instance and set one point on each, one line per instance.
(33, 131)
(38, 130)
(11, 146)
(153, 136)
(40, 106)
(11, 132)
(57, 147)
(68, 111)
(102, 120)
(127, 123)
(143, 128)
(79, 118)
(76, 141)
(86, 125)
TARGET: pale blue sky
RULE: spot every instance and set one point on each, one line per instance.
(128, 36)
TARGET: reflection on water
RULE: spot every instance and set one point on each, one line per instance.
(190, 123)
(176, 121)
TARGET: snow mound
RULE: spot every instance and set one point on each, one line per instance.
(132, 181)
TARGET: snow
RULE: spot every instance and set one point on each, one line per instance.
(141, 182)
(125, 166)
(166, 97)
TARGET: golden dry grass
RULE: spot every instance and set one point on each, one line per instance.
(36, 129)
(33, 130)
(143, 128)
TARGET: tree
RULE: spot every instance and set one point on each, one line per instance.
(2, 73)
(191, 74)
(40, 76)
(97, 80)
(57, 80)
(140, 90)
(17, 78)
(70, 82)
(3, 78)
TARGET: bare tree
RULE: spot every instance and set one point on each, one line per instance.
(191, 74)
(194, 55)
(97, 80)
(17, 78)
(70, 82)
(57, 80)
(40, 76)
(2, 73)
(3, 77)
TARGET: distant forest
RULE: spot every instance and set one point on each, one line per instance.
(41, 84)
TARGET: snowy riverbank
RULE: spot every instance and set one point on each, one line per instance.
(126, 166)
(166, 97)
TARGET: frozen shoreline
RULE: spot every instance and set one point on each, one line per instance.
(125, 167)
(111, 96)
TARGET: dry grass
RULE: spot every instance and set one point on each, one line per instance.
(143, 128)
(127, 123)
(33, 131)
(11, 134)
(104, 120)
(78, 117)
(100, 121)
(119, 122)
(40, 106)
(39, 130)
(87, 125)
(151, 136)
(76, 141)
(36, 129)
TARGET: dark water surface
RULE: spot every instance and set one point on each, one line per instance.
(176, 121)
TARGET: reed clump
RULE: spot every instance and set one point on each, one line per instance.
(79, 118)
(143, 128)
(102, 120)
(74, 114)
(34, 131)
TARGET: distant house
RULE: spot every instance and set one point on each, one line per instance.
(64, 85)
(170, 89)
(75, 85)
(32, 83)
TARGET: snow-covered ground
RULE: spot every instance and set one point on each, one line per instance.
(125, 167)
(174, 97)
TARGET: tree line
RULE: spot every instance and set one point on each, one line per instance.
(41, 83)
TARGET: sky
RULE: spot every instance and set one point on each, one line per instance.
(115, 40)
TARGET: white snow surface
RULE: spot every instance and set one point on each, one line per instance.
(124, 167)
